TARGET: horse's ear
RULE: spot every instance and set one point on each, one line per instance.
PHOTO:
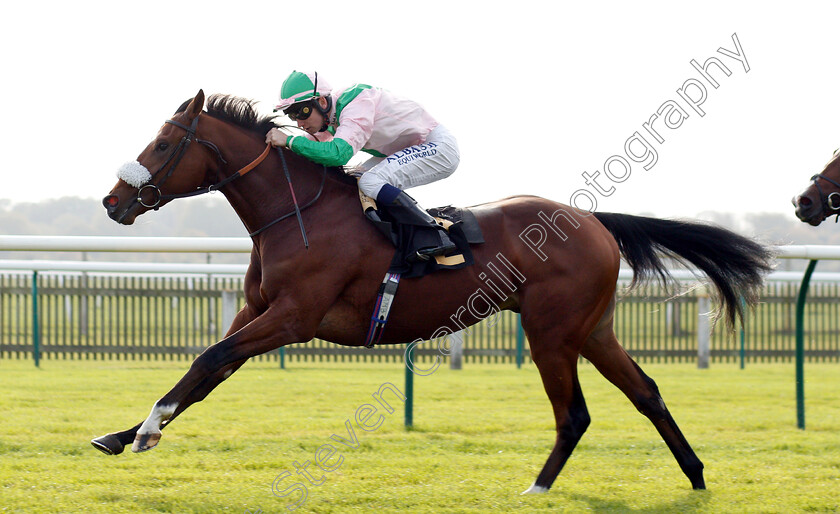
(196, 105)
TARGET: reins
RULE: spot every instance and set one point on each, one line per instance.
(297, 209)
(181, 149)
(294, 199)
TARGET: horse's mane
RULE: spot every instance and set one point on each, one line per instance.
(242, 113)
(236, 110)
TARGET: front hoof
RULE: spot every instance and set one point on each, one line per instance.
(143, 442)
(108, 444)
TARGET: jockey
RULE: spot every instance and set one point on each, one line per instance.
(408, 146)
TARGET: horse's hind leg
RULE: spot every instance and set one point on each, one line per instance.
(604, 351)
(559, 376)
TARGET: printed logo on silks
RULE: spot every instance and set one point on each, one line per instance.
(411, 153)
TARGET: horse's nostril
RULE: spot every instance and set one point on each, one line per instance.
(111, 201)
(804, 201)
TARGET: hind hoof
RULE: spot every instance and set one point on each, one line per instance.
(535, 489)
(144, 442)
(108, 444)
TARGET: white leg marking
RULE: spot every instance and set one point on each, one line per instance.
(156, 417)
(535, 489)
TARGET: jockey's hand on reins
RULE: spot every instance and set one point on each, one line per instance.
(276, 137)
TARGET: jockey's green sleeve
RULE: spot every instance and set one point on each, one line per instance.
(329, 153)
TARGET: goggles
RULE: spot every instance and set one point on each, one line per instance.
(300, 111)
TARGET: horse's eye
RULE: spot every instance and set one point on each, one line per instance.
(162, 146)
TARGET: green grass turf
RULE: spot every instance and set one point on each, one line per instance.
(480, 437)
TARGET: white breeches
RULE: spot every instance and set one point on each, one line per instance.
(433, 160)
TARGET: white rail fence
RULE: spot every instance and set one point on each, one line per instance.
(207, 245)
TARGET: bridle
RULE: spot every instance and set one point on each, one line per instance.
(175, 158)
(179, 151)
(830, 203)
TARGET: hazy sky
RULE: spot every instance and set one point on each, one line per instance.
(538, 93)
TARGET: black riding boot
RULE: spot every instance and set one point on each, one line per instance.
(405, 210)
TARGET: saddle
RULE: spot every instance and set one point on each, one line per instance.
(460, 224)
(408, 239)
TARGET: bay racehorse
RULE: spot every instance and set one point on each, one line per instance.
(555, 265)
(821, 198)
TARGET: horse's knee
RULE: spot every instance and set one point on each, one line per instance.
(206, 361)
(214, 358)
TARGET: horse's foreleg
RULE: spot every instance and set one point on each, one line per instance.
(160, 418)
(115, 443)
(559, 376)
(263, 334)
(603, 350)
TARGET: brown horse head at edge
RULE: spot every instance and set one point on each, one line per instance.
(821, 198)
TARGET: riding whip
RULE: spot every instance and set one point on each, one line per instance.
(294, 199)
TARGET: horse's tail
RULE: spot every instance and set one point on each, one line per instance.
(735, 265)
